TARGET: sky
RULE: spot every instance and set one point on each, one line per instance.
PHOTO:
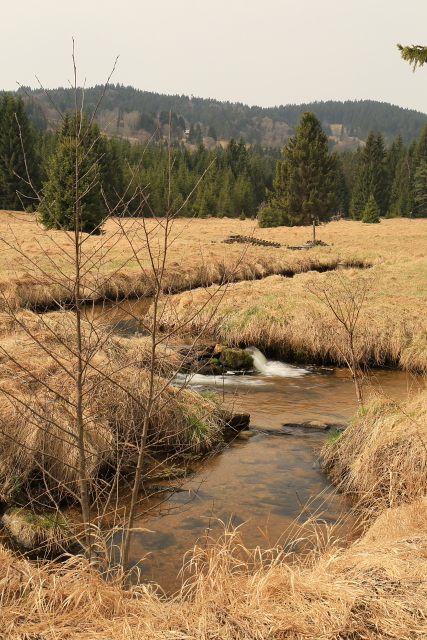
(263, 52)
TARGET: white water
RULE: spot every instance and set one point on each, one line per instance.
(267, 368)
(197, 379)
(272, 367)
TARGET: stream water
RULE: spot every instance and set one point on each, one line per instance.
(268, 482)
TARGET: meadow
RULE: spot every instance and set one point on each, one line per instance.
(371, 587)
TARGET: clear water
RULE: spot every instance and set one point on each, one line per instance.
(266, 483)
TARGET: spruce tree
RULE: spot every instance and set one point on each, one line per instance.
(372, 177)
(420, 191)
(269, 217)
(212, 133)
(305, 183)
(73, 178)
(17, 155)
(421, 148)
(402, 188)
(371, 213)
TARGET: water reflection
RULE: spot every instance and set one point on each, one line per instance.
(123, 316)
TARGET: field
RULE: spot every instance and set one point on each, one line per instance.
(373, 587)
(395, 240)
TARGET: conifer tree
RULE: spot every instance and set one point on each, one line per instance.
(371, 178)
(371, 213)
(420, 190)
(415, 55)
(77, 147)
(402, 187)
(17, 155)
(269, 217)
(305, 182)
(198, 135)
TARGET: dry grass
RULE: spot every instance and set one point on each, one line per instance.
(396, 240)
(49, 533)
(38, 452)
(382, 455)
(32, 257)
(280, 315)
(375, 588)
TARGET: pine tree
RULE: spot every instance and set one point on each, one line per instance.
(305, 182)
(372, 177)
(371, 213)
(420, 188)
(77, 146)
(17, 155)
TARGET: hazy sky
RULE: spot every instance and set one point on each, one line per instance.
(264, 52)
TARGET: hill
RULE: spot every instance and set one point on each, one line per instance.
(135, 114)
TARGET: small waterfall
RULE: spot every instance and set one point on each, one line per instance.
(272, 367)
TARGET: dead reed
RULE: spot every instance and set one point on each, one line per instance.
(382, 455)
(375, 588)
(38, 453)
(281, 316)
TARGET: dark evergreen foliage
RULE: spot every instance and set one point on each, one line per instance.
(372, 177)
(305, 183)
(19, 171)
(73, 184)
(239, 120)
(239, 180)
(371, 212)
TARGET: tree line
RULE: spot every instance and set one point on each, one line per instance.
(236, 181)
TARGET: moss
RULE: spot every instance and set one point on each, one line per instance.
(45, 521)
(170, 472)
(236, 359)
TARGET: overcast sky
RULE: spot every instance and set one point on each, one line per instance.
(264, 52)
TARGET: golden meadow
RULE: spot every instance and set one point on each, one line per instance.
(373, 587)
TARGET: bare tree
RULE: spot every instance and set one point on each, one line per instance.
(79, 407)
(345, 298)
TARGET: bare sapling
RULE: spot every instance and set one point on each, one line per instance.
(345, 298)
(87, 407)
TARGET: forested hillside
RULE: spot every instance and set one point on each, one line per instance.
(137, 114)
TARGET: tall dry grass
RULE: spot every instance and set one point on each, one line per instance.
(375, 588)
(280, 315)
(382, 455)
(121, 264)
(38, 452)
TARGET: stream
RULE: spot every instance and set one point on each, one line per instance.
(267, 483)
